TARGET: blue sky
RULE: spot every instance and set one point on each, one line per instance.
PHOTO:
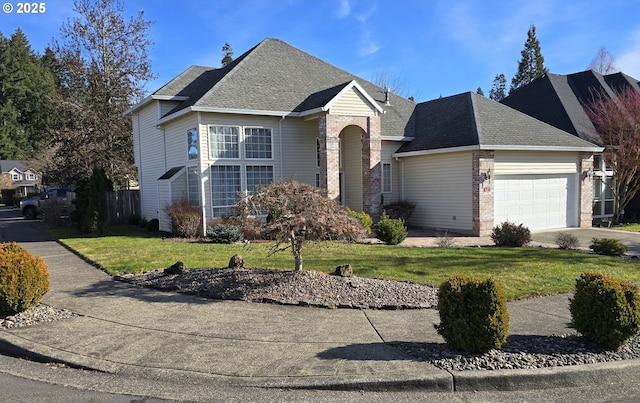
(428, 48)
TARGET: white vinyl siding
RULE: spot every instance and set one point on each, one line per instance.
(388, 148)
(300, 150)
(352, 103)
(523, 163)
(441, 187)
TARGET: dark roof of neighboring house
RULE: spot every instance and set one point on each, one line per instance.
(276, 77)
(560, 100)
(470, 119)
(8, 165)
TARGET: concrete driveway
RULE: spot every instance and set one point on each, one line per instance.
(630, 239)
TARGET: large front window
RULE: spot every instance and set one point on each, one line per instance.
(258, 175)
(257, 143)
(225, 188)
(224, 142)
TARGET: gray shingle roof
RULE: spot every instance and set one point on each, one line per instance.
(470, 119)
(275, 76)
(560, 100)
(8, 165)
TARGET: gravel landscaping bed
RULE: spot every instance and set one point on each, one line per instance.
(318, 289)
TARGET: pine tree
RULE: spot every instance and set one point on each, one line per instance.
(531, 65)
(479, 91)
(499, 88)
(228, 54)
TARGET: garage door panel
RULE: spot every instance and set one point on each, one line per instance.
(537, 201)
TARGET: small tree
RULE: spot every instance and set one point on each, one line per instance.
(617, 120)
(498, 90)
(298, 213)
(227, 52)
(604, 62)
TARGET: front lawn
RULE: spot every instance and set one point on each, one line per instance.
(629, 227)
(522, 272)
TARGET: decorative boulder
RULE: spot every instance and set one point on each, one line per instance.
(344, 271)
(176, 268)
(236, 262)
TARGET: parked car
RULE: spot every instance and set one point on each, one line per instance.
(34, 206)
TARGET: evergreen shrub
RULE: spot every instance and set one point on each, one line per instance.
(24, 279)
(363, 217)
(605, 310)
(402, 209)
(143, 223)
(224, 233)
(608, 247)
(153, 225)
(509, 234)
(473, 314)
(390, 231)
(134, 219)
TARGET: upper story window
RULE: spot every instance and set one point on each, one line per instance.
(15, 176)
(192, 144)
(31, 177)
(257, 143)
(224, 142)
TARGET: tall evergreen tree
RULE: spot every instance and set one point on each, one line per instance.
(26, 87)
(499, 88)
(531, 64)
(479, 91)
(103, 65)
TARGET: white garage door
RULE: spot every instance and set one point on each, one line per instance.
(537, 201)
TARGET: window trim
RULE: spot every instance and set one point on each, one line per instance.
(239, 143)
(384, 177)
(198, 174)
(243, 140)
(213, 205)
(246, 175)
(197, 144)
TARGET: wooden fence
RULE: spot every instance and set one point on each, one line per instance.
(122, 204)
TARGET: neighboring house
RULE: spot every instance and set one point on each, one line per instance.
(561, 101)
(17, 179)
(277, 113)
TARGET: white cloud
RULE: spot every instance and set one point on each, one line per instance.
(343, 10)
(629, 61)
(367, 45)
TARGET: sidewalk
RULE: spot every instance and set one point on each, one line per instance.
(161, 338)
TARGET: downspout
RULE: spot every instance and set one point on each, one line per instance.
(140, 170)
(281, 146)
(203, 199)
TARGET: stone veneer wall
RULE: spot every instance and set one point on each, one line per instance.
(329, 128)
(585, 203)
(483, 162)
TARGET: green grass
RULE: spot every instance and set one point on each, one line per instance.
(630, 227)
(521, 272)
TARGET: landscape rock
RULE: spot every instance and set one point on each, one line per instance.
(344, 271)
(236, 262)
(176, 268)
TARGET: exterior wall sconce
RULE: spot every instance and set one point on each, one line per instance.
(486, 176)
(588, 173)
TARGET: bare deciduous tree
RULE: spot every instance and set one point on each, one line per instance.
(618, 123)
(604, 62)
(104, 64)
(299, 213)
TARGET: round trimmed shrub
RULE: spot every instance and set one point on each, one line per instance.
(224, 233)
(605, 310)
(509, 234)
(24, 279)
(566, 241)
(390, 231)
(473, 314)
(607, 246)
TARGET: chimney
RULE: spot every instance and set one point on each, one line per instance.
(387, 96)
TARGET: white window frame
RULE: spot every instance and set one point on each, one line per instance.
(213, 141)
(215, 206)
(244, 142)
(246, 176)
(387, 177)
(15, 176)
(190, 171)
(190, 143)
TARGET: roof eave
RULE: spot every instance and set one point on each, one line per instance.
(586, 149)
(150, 98)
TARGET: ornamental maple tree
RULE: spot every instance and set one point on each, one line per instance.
(617, 120)
(298, 213)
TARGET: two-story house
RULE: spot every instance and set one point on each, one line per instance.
(18, 180)
(277, 113)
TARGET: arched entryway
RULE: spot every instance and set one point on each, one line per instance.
(350, 143)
